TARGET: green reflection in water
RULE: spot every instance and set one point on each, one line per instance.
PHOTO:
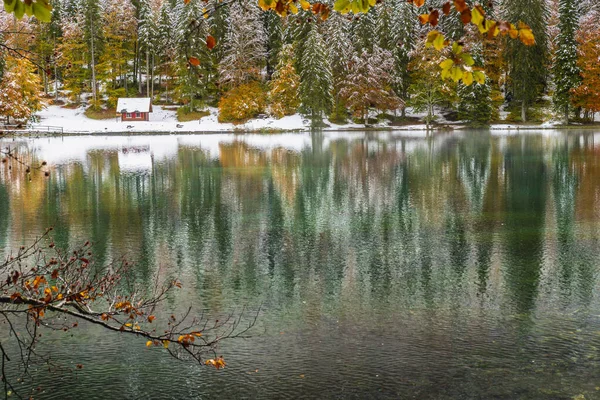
(459, 267)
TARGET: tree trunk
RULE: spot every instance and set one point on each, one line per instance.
(147, 73)
(93, 66)
(523, 111)
(567, 114)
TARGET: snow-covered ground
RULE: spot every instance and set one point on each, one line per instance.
(161, 120)
(165, 121)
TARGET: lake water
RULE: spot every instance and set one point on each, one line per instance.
(460, 267)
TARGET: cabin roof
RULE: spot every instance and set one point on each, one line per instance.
(137, 104)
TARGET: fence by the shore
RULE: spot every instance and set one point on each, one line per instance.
(31, 129)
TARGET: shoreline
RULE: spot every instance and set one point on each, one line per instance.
(413, 128)
(57, 120)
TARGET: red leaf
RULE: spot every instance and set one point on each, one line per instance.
(210, 42)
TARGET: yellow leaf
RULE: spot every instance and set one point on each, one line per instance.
(467, 78)
(456, 73)
(477, 15)
(293, 8)
(149, 343)
(526, 36)
(129, 325)
(447, 64)
(438, 43)
(467, 59)
(305, 5)
(479, 77)
(165, 344)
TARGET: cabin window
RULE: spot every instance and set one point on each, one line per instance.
(138, 115)
(128, 115)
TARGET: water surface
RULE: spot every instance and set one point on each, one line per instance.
(460, 267)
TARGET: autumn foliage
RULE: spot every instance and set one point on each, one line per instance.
(242, 103)
(587, 95)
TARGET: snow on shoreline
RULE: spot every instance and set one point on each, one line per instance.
(161, 120)
(74, 121)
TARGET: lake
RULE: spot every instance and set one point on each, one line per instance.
(385, 265)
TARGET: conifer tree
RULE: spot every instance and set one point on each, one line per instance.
(404, 31)
(73, 51)
(527, 65)
(147, 34)
(283, 93)
(337, 30)
(194, 83)
(566, 72)
(274, 30)
(475, 103)
(165, 45)
(364, 28)
(316, 79)
(118, 26)
(245, 47)
(92, 31)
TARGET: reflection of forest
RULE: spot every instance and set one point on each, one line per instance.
(503, 222)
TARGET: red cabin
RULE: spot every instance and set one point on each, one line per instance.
(134, 109)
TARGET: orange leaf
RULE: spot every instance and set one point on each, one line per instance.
(465, 16)
(210, 43)
(149, 343)
(424, 18)
(194, 61)
(446, 8)
(151, 318)
(460, 5)
(434, 17)
(418, 3)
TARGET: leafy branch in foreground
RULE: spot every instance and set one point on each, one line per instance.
(44, 287)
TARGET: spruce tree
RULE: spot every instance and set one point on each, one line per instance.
(337, 32)
(191, 30)
(475, 102)
(364, 28)
(527, 65)
(316, 79)
(274, 29)
(405, 30)
(566, 72)
(245, 51)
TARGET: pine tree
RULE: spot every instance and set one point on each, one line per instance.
(147, 34)
(369, 83)
(337, 30)
(245, 52)
(73, 51)
(20, 90)
(316, 79)
(527, 65)
(92, 31)
(404, 32)
(364, 30)
(274, 29)
(166, 46)
(566, 72)
(475, 102)
(119, 25)
(195, 83)
(283, 94)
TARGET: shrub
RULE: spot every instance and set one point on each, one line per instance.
(242, 103)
